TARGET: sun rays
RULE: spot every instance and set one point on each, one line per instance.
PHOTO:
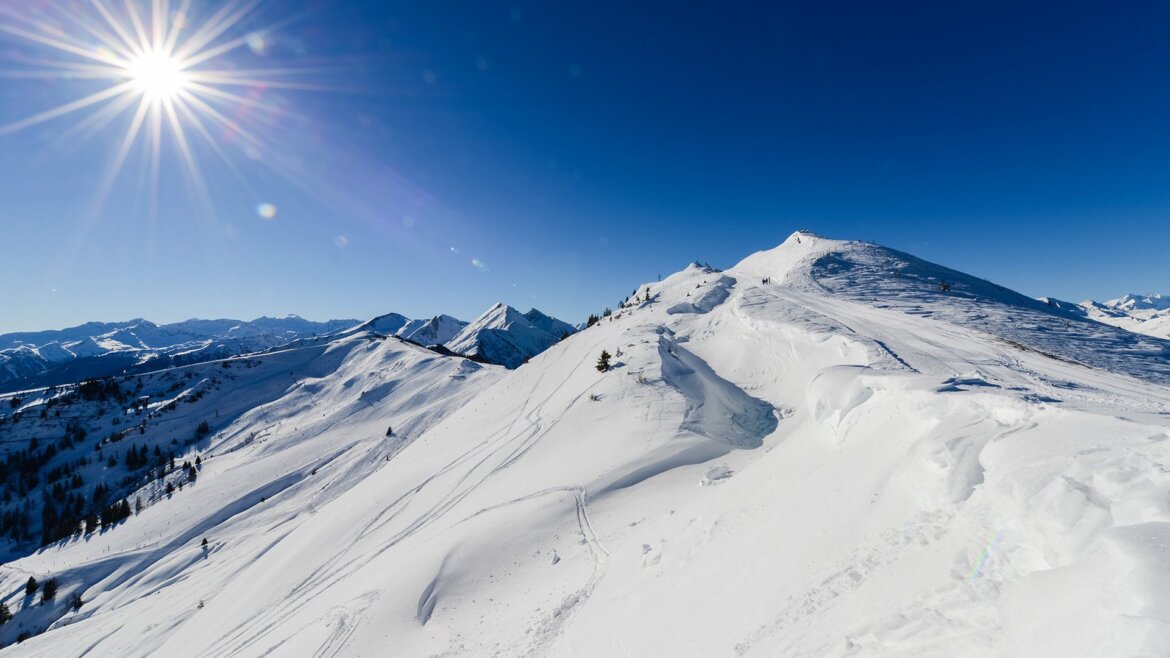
(173, 73)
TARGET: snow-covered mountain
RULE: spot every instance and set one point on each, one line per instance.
(507, 337)
(99, 349)
(435, 331)
(1144, 314)
(830, 449)
(1132, 302)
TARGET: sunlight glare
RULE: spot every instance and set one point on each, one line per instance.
(172, 75)
(157, 75)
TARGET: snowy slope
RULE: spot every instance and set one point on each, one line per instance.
(435, 331)
(290, 431)
(820, 451)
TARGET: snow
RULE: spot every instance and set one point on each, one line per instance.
(1132, 302)
(98, 349)
(505, 336)
(821, 451)
(1144, 314)
(435, 331)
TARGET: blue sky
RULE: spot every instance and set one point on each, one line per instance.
(574, 150)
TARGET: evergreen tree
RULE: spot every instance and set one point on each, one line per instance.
(603, 361)
(49, 590)
(30, 587)
(5, 613)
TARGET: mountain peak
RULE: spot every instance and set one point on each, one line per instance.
(797, 248)
(1136, 302)
(505, 336)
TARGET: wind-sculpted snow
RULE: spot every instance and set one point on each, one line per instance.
(839, 458)
(715, 408)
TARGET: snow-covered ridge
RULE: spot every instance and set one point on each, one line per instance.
(831, 449)
(884, 278)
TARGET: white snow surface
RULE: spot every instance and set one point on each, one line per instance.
(846, 460)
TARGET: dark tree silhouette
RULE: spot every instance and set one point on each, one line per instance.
(603, 361)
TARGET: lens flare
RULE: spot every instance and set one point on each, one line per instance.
(170, 71)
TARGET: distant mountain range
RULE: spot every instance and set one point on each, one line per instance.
(501, 336)
(1143, 314)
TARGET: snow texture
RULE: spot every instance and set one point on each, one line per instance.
(830, 449)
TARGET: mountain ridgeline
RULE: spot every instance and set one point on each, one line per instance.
(105, 349)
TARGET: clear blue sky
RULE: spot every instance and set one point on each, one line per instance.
(576, 149)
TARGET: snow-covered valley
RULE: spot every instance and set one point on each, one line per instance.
(831, 448)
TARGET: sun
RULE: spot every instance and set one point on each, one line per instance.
(158, 76)
(176, 74)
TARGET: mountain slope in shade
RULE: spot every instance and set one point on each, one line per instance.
(830, 449)
(507, 337)
(549, 324)
(388, 324)
(435, 331)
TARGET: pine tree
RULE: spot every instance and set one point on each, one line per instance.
(5, 613)
(49, 590)
(603, 361)
(30, 587)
